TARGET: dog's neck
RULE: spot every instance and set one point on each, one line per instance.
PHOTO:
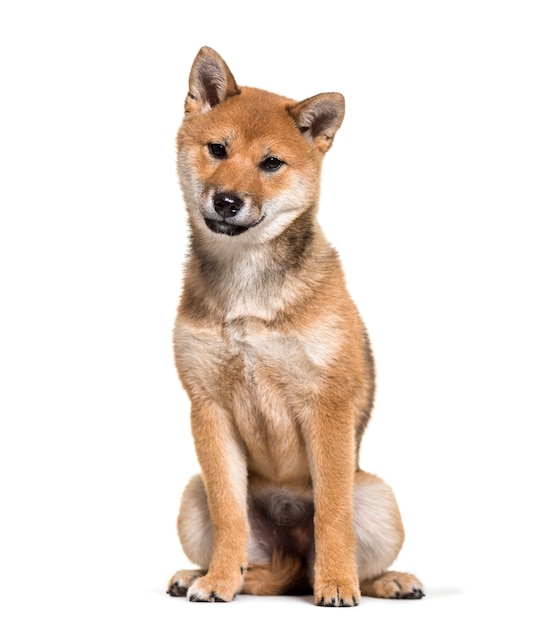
(233, 278)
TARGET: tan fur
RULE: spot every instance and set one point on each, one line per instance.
(275, 359)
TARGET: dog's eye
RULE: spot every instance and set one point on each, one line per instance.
(217, 150)
(271, 164)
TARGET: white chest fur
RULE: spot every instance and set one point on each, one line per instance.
(299, 354)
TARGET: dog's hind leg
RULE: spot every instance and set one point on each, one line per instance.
(182, 580)
(379, 535)
(195, 533)
(393, 585)
(194, 525)
(224, 485)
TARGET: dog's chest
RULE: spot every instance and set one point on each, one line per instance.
(258, 346)
(269, 402)
(247, 362)
(265, 379)
(298, 355)
(293, 360)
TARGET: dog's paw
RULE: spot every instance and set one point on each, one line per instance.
(337, 594)
(213, 589)
(182, 580)
(395, 586)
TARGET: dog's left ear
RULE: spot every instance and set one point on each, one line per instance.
(211, 82)
(319, 118)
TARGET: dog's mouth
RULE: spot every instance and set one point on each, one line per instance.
(222, 227)
(225, 228)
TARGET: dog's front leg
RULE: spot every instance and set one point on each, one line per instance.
(224, 472)
(331, 456)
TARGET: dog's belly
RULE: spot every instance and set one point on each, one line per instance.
(271, 435)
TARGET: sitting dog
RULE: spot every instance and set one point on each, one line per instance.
(275, 359)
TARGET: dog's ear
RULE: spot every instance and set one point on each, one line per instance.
(211, 82)
(319, 118)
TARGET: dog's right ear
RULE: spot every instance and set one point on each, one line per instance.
(211, 82)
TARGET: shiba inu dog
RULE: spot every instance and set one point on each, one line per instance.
(275, 360)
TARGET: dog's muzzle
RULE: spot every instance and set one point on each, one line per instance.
(227, 206)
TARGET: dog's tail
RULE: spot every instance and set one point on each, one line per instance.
(285, 575)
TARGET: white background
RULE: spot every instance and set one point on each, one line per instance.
(429, 196)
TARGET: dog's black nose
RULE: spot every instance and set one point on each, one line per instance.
(227, 204)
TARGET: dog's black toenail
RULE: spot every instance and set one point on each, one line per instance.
(414, 594)
(176, 590)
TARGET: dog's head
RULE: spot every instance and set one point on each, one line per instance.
(249, 160)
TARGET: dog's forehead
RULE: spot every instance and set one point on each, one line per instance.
(254, 114)
(259, 99)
